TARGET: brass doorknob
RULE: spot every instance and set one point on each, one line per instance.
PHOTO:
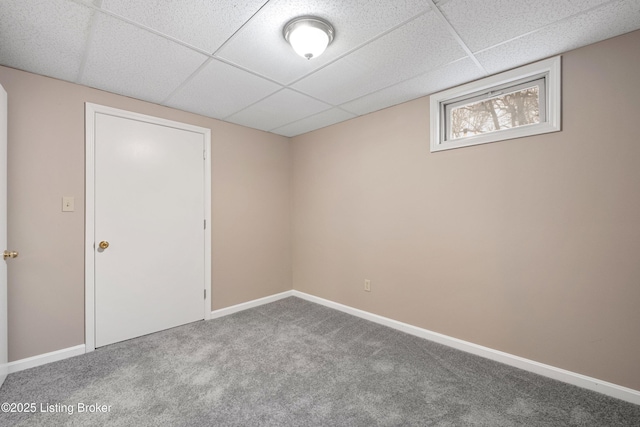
(10, 254)
(104, 244)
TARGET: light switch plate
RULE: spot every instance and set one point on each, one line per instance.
(68, 204)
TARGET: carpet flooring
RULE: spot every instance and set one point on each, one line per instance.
(296, 363)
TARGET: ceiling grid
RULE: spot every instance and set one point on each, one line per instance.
(228, 60)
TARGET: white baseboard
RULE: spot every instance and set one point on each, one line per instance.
(43, 359)
(604, 387)
(609, 389)
(249, 304)
(54, 356)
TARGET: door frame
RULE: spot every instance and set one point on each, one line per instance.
(89, 261)
(4, 321)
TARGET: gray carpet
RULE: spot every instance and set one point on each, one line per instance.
(295, 363)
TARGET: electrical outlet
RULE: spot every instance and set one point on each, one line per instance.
(367, 285)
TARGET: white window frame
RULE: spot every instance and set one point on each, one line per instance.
(549, 70)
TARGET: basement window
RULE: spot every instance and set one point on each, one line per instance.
(514, 104)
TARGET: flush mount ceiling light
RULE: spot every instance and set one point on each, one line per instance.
(308, 36)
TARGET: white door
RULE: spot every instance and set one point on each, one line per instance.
(3, 234)
(150, 211)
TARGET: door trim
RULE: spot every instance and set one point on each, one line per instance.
(4, 286)
(89, 262)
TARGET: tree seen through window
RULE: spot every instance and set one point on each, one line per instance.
(505, 111)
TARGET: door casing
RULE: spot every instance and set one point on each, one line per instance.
(90, 112)
(4, 327)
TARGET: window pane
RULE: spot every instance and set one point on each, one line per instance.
(505, 111)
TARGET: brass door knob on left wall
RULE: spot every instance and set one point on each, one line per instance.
(10, 254)
(104, 244)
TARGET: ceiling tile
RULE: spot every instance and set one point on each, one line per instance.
(486, 23)
(260, 46)
(605, 22)
(127, 60)
(47, 37)
(385, 52)
(277, 110)
(417, 47)
(203, 24)
(219, 90)
(450, 75)
(317, 121)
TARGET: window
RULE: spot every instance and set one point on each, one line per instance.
(518, 103)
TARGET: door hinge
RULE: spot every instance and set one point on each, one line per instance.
(205, 224)
(204, 154)
(205, 294)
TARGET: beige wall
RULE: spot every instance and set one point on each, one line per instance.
(250, 209)
(530, 246)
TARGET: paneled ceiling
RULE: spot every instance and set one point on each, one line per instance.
(227, 59)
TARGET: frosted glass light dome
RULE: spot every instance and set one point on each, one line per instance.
(308, 36)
